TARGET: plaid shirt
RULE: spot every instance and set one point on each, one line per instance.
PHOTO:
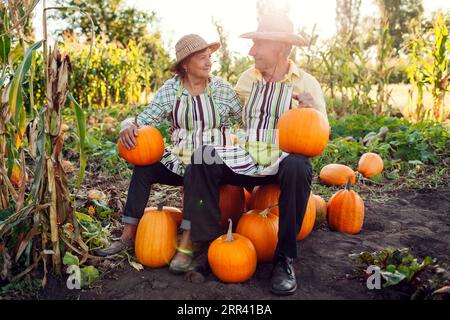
(225, 98)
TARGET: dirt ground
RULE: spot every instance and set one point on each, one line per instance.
(417, 219)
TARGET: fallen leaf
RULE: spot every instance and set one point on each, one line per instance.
(94, 194)
(137, 265)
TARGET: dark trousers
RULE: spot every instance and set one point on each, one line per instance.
(141, 182)
(201, 196)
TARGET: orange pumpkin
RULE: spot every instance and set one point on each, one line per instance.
(247, 195)
(149, 147)
(303, 131)
(264, 197)
(156, 238)
(232, 204)
(261, 227)
(308, 219)
(232, 257)
(175, 213)
(337, 175)
(321, 210)
(370, 164)
(346, 211)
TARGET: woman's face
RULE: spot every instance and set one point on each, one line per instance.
(199, 64)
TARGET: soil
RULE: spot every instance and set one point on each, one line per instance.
(419, 220)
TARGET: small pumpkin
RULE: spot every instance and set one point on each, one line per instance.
(232, 257)
(261, 227)
(264, 197)
(149, 147)
(175, 213)
(308, 219)
(337, 175)
(321, 211)
(346, 211)
(303, 131)
(370, 164)
(156, 238)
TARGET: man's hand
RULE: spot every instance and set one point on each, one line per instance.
(127, 136)
(305, 100)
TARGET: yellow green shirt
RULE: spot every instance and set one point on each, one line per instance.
(301, 81)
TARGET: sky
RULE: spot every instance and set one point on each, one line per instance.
(181, 17)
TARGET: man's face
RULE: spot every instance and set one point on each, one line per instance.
(266, 53)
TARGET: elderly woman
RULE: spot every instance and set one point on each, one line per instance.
(200, 108)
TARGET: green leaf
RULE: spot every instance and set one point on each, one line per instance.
(392, 278)
(391, 268)
(83, 217)
(70, 259)
(81, 125)
(89, 275)
(15, 93)
(5, 47)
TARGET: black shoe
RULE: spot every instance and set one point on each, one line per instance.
(283, 277)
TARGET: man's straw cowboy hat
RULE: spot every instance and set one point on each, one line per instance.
(190, 44)
(279, 29)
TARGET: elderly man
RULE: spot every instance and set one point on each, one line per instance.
(273, 86)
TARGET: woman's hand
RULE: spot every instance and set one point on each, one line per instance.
(305, 100)
(127, 136)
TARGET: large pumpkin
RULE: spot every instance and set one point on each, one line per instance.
(308, 219)
(248, 196)
(175, 213)
(346, 211)
(149, 147)
(337, 175)
(232, 203)
(156, 238)
(232, 257)
(261, 227)
(370, 164)
(303, 131)
(264, 197)
(321, 210)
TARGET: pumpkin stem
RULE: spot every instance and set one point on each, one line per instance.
(230, 232)
(160, 206)
(349, 184)
(267, 210)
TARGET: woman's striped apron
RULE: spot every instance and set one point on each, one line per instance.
(258, 154)
(195, 121)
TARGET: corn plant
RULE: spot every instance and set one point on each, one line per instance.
(429, 67)
(31, 143)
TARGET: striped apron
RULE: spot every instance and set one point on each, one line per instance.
(195, 121)
(258, 154)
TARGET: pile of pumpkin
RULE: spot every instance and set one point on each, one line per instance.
(233, 257)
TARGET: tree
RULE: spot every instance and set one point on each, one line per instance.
(347, 17)
(110, 17)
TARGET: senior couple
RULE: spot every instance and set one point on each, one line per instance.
(201, 108)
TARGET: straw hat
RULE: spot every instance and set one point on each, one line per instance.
(278, 28)
(190, 44)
